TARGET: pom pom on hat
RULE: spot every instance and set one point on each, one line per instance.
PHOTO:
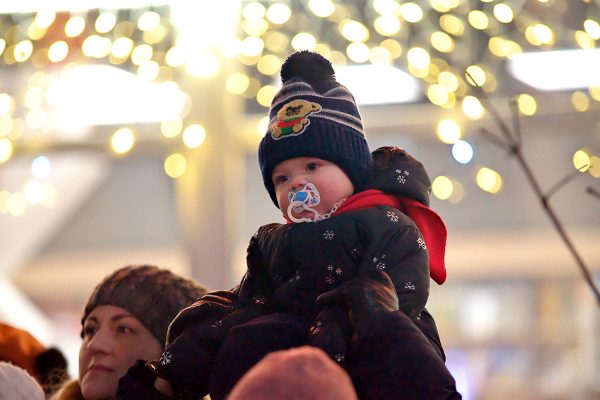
(313, 115)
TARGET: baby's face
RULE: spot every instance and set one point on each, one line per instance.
(331, 181)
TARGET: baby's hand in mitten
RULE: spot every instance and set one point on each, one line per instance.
(138, 383)
(331, 332)
(368, 294)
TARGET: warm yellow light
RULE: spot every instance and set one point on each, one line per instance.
(321, 8)
(34, 32)
(448, 80)
(149, 71)
(122, 141)
(255, 27)
(478, 19)
(6, 150)
(33, 191)
(202, 65)
(418, 58)
(254, 11)
(354, 31)
(443, 6)
(148, 21)
(584, 40)
(411, 12)
(176, 57)
(503, 47)
(475, 75)
(156, 35)
(2, 45)
(592, 28)
(448, 131)
(503, 13)
(323, 50)
(393, 47)
(580, 101)
(96, 46)
(6, 125)
(380, 56)
(262, 126)
(581, 160)
(358, 52)
(16, 204)
(194, 136)
(437, 94)
(442, 42)
(124, 28)
(58, 51)
(442, 187)
(276, 41)
(527, 104)
(170, 128)
(304, 41)
(539, 34)
(237, 83)
(74, 26)
(44, 18)
(175, 165)
(7, 104)
(269, 65)
(488, 180)
(387, 25)
(22, 50)
(452, 24)
(279, 13)
(387, 7)
(141, 54)
(265, 95)
(472, 107)
(105, 22)
(121, 47)
(252, 46)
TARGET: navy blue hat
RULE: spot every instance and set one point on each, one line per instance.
(314, 116)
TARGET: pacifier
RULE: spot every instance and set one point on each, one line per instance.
(304, 200)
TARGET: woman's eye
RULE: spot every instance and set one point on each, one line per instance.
(89, 331)
(311, 166)
(124, 329)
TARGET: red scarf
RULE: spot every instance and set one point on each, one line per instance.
(430, 224)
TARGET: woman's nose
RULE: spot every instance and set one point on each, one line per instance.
(100, 342)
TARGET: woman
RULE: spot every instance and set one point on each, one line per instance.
(126, 319)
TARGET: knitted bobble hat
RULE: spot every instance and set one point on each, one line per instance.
(154, 296)
(313, 115)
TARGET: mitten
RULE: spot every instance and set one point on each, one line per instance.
(138, 383)
(368, 294)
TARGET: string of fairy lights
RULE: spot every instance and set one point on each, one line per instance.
(436, 41)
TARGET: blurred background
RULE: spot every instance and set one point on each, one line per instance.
(129, 131)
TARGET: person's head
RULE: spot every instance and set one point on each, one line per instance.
(17, 384)
(126, 319)
(305, 373)
(313, 116)
(47, 365)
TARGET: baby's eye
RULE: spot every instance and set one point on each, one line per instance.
(280, 179)
(311, 166)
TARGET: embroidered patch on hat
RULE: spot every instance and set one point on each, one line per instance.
(292, 118)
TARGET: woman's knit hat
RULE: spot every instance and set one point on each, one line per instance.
(154, 296)
(313, 115)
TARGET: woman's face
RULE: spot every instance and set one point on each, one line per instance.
(113, 340)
